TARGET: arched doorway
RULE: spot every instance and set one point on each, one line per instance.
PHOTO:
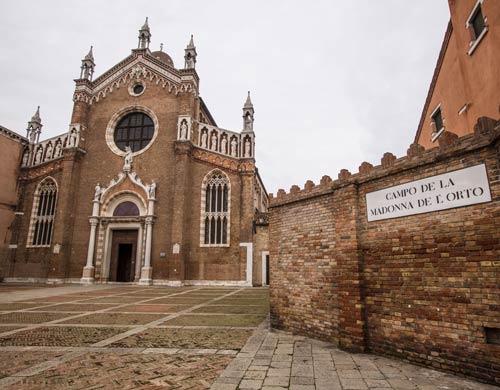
(123, 239)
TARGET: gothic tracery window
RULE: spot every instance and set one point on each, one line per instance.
(216, 209)
(43, 215)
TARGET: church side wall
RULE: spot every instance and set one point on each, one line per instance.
(215, 263)
(423, 287)
(32, 262)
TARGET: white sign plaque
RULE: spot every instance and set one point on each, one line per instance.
(463, 187)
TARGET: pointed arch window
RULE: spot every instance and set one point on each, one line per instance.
(215, 209)
(43, 214)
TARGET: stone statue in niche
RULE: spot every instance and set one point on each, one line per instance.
(128, 158)
(98, 192)
(204, 139)
(38, 156)
(58, 150)
(184, 130)
(247, 148)
(223, 144)
(233, 147)
(26, 156)
(72, 138)
(213, 146)
(48, 152)
(152, 190)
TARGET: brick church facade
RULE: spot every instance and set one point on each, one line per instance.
(144, 187)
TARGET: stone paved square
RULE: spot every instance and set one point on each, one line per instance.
(23, 317)
(186, 338)
(126, 371)
(215, 320)
(97, 350)
(229, 309)
(59, 336)
(115, 319)
(147, 308)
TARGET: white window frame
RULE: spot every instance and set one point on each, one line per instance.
(473, 44)
(34, 211)
(438, 132)
(204, 213)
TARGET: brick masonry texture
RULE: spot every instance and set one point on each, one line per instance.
(422, 287)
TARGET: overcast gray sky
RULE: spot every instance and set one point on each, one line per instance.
(334, 83)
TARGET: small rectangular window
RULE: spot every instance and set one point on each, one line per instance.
(492, 335)
(438, 120)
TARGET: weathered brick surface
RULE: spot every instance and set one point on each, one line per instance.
(421, 287)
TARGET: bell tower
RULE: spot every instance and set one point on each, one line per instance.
(190, 55)
(34, 127)
(88, 65)
(144, 36)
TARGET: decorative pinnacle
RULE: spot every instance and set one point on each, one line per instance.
(90, 55)
(191, 43)
(36, 118)
(161, 46)
(248, 103)
(145, 26)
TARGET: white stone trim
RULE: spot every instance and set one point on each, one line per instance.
(133, 84)
(34, 208)
(264, 268)
(209, 283)
(202, 210)
(249, 269)
(110, 129)
(109, 207)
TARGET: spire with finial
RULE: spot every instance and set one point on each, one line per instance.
(144, 36)
(88, 65)
(161, 46)
(248, 113)
(190, 55)
(34, 127)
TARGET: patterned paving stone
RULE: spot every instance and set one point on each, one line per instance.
(151, 308)
(17, 306)
(5, 288)
(76, 307)
(12, 362)
(186, 338)
(180, 300)
(232, 309)
(117, 372)
(115, 299)
(22, 317)
(59, 336)
(243, 302)
(4, 329)
(54, 299)
(215, 320)
(115, 319)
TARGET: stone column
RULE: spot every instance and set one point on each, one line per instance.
(89, 270)
(147, 270)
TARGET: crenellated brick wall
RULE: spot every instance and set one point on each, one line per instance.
(424, 288)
